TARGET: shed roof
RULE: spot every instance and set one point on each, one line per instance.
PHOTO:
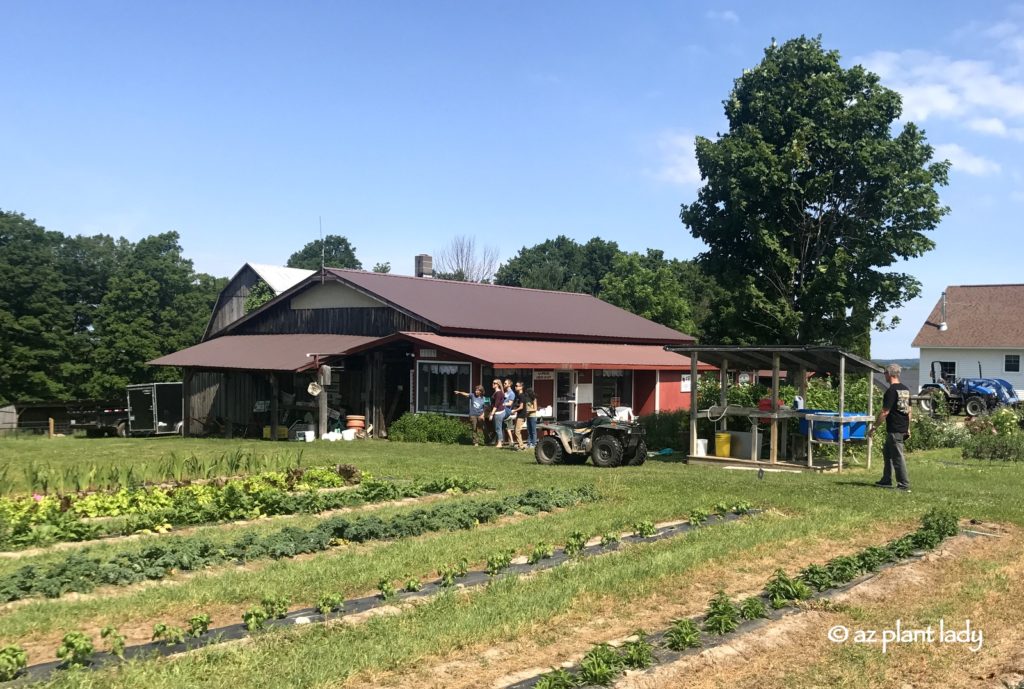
(545, 354)
(470, 308)
(261, 352)
(820, 359)
(977, 317)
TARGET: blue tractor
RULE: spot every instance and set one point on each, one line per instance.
(971, 396)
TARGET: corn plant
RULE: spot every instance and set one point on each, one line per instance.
(609, 539)
(781, 590)
(254, 619)
(413, 585)
(75, 650)
(387, 589)
(556, 679)
(697, 517)
(330, 602)
(722, 615)
(541, 551)
(115, 640)
(638, 654)
(574, 546)
(13, 660)
(198, 625)
(600, 665)
(753, 608)
(276, 606)
(168, 634)
(644, 529)
(683, 634)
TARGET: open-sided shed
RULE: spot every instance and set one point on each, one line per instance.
(798, 361)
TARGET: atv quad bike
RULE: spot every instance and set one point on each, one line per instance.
(608, 443)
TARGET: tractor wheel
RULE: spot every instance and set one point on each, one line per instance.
(975, 406)
(607, 451)
(639, 456)
(549, 451)
(933, 401)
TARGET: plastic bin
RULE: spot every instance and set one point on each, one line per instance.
(829, 431)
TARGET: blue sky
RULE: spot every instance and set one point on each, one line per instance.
(403, 124)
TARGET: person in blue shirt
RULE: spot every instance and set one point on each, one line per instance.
(477, 409)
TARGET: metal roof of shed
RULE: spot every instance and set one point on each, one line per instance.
(819, 359)
(261, 352)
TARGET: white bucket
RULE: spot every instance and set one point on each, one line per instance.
(702, 447)
(348, 434)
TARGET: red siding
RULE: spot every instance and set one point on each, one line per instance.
(643, 392)
(545, 390)
(669, 396)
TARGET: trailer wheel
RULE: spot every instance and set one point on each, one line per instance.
(607, 451)
(974, 406)
(549, 451)
(122, 429)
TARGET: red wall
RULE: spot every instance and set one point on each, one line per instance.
(669, 396)
(643, 392)
(545, 390)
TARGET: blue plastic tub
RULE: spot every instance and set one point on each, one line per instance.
(829, 432)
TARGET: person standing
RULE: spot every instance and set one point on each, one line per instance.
(531, 417)
(896, 412)
(521, 416)
(477, 401)
(510, 404)
(497, 410)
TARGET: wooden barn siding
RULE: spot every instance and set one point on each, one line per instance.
(376, 322)
(231, 303)
(225, 395)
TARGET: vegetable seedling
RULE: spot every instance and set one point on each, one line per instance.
(114, 639)
(330, 602)
(198, 625)
(683, 634)
(13, 660)
(75, 649)
(722, 615)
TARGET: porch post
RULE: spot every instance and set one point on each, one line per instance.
(274, 412)
(773, 447)
(693, 404)
(723, 384)
(186, 403)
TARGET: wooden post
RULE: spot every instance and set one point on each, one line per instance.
(773, 447)
(723, 396)
(321, 403)
(50, 428)
(693, 404)
(274, 410)
(186, 403)
(842, 406)
(871, 413)
(229, 429)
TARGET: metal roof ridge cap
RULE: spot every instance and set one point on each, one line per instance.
(469, 282)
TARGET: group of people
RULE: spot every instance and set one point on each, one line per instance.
(502, 416)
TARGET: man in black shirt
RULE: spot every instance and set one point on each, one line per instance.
(896, 412)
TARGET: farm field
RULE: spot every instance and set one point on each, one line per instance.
(489, 636)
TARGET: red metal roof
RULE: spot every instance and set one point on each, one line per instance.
(977, 317)
(545, 354)
(261, 352)
(479, 309)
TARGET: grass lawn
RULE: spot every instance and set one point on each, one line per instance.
(805, 514)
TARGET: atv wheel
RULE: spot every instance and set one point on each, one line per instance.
(639, 456)
(574, 459)
(974, 406)
(607, 451)
(549, 451)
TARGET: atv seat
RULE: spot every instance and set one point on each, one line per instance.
(577, 424)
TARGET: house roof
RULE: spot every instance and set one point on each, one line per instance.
(480, 309)
(977, 317)
(280, 278)
(261, 352)
(545, 354)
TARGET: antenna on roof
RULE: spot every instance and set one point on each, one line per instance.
(323, 249)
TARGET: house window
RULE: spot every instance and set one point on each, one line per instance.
(1011, 364)
(613, 386)
(947, 370)
(437, 382)
(518, 375)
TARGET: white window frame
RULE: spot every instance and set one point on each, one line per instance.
(1005, 358)
(465, 412)
(955, 374)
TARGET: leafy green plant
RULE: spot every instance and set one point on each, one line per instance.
(330, 602)
(429, 428)
(941, 521)
(683, 634)
(843, 569)
(168, 634)
(600, 665)
(817, 577)
(575, 544)
(387, 589)
(13, 660)
(541, 551)
(644, 529)
(753, 608)
(276, 606)
(413, 585)
(255, 619)
(556, 679)
(114, 639)
(782, 591)
(721, 508)
(639, 653)
(610, 538)
(872, 557)
(448, 574)
(198, 625)
(722, 615)
(462, 568)
(75, 650)
(499, 561)
(697, 517)
(742, 508)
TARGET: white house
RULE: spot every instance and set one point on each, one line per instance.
(972, 328)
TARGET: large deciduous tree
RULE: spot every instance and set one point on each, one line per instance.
(334, 250)
(560, 264)
(809, 199)
(647, 285)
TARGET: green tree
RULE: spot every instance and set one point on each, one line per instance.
(336, 253)
(259, 295)
(649, 286)
(384, 267)
(560, 264)
(809, 199)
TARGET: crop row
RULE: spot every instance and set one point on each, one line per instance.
(45, 520)
(603, 663)
(82, 571)
(77, 649)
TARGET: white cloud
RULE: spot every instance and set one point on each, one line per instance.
(728, 16)
(679, 161)
(965, 161)
(988, 125)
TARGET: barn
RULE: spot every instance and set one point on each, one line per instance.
(396, 344)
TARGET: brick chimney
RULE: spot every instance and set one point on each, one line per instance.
(424, 266)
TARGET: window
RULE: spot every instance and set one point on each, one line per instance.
(1011, 363)
(947, 369)
(613, 386)
(436, 384)
(518, 375)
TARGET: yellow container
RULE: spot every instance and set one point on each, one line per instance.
(723, 444)
(282, 433)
